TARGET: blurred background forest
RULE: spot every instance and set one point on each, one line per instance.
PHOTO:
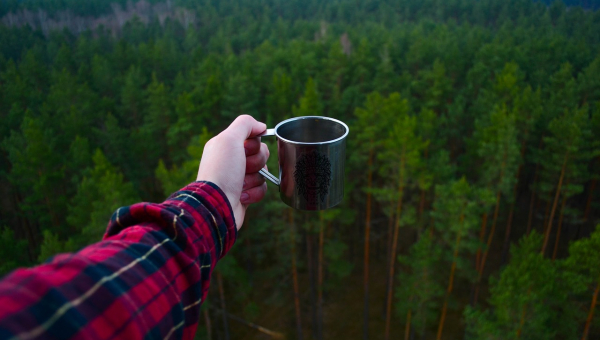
(473, 156)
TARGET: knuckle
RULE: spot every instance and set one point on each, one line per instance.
(210, 143)
(245, 119)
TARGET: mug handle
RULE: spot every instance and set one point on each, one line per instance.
(264, 172)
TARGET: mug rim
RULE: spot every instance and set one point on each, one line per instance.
(312, 117)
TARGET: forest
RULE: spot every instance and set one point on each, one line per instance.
(473, 160)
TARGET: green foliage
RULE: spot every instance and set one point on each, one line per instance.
(456, 214)
(279, 99)
(531, 294)
(13, 251)
(37, 169)
(51, 245)
(419, 290)
(177, 177)
(102, 190)
(433, 87)
(337, 266)
(310, 104)
(453, 103)
(372, 121)
(403, 146)
(369, 129)
(583, 259)
(566, 153)
(498, 148)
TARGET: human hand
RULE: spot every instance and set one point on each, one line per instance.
(232, 159)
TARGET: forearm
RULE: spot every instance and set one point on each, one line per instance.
(147, 277)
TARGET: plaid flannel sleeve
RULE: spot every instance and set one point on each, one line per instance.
(146, 279)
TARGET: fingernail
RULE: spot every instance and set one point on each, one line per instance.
(244, 197)
(244, 186)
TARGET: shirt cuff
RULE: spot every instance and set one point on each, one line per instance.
(216, 202)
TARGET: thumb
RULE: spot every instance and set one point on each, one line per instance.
(244, 127)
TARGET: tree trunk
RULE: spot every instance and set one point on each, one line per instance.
(546, 212)
(367, 236)
(32, 246)
(484, 219)
(295, 275)
(421, 204)
(450, 281)
(249, 257)
(388, 309)
(491, 235)
(522, 321)
(407, 329)
(558, 190)
(222, 296)
(311, 279)
(320, 278)
(487, 249)
(208, 325)
(560, 220)
(389, 239)
(53, 216)
(423, 193)
(588, 204)
(590, 316)
(506, 244)
(532, 201)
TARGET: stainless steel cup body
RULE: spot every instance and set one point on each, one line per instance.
(311, 152)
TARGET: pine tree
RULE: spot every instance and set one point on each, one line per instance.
(279, 98)
(99, 194)
(564, 160)
(420, 291)
(371, 124)
(240, 96)
(527, 109)
(52, 245)
(310, 103)
(157, 119)
(177, 177)
(403, 147)
(180, 133)
(530, 294)
(433, 88)
(584, 262)
(455, 212)
(13, 251)
(496, 139)
(132, 98)
(594, 148)
(37, 170)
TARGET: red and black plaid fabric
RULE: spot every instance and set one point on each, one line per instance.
(146, 279)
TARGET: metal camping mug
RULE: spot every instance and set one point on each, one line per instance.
(311, 151)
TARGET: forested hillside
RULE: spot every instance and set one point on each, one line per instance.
(473, 157)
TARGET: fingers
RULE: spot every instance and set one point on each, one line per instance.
(253, 180)
(252, 146)
(244, 127)
(253, 195)
(257, 161)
